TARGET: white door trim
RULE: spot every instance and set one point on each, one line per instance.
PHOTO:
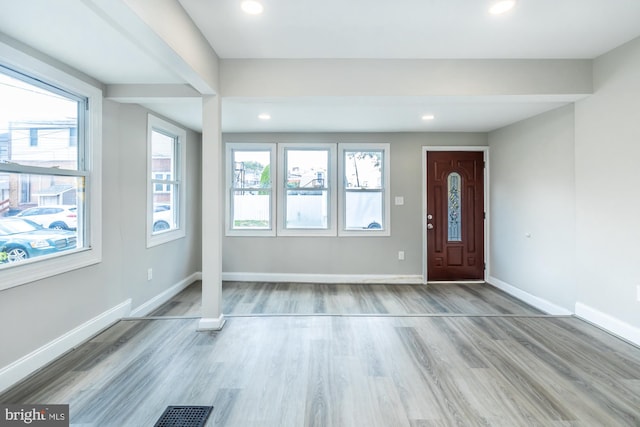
(487, 245)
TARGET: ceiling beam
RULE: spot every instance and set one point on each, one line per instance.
(404, 77)
(163, 29)
(140, 93)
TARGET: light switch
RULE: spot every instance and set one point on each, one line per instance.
(399, 200)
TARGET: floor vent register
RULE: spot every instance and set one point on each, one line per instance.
(184, 416)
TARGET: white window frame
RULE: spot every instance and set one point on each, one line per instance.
(91, 163)
(157, 124)
(331, 189)
(230, 147)
(386, 189)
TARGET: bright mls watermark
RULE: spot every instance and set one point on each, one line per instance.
(34, 415)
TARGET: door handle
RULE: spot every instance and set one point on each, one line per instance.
(429, 226)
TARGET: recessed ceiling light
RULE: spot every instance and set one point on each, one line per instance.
(501, 6)
(264, 116)
(428, 117)
(252, 7)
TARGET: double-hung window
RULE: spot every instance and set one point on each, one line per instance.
(249, 195)
(50, 131)
(307, 196)
(166, 167)
(364, 169)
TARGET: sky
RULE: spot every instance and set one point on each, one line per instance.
(21, 101)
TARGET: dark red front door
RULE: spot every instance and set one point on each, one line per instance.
(455, 215)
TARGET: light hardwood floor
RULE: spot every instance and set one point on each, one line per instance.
(510, 369)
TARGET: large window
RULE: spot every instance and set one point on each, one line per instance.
(42, 179)
(166, 205)
(249, 189)
(308, 198)
(49, 173)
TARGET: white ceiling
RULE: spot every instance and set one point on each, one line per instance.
(379, 114)
(416, 28)
(74, 32)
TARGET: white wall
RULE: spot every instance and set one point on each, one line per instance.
(533, 208)
(36, 314)
(589, 265)
(173, 261)
(607, 192)
(350, 255)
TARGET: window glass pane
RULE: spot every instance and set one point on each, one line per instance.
(37, 125)
(251, 193)
(165, 212)
(453, 209)
(251, 169)
(251, 209)
(163, 151)
(163, 165)
(307, 168)
(307, 198)
(363, 210)
(307, 208)
(363, 169)
(40, 215)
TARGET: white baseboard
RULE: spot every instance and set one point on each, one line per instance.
(609, 323)
(165, 296)
(323, 278)
(537, 302)
(23, 367)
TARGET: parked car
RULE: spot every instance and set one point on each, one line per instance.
(21, 239)
(60, 217)
(162, 218)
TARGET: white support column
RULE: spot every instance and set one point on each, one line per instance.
(212, 218)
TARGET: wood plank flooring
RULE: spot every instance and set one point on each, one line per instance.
(324, 371)
(247, 298)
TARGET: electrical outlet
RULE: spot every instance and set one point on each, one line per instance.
(150, 274)
(401, 255)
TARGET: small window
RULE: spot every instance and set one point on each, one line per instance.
(33, 137)
(73, 137)
(365, 189)
(166, 204)
(250, 205)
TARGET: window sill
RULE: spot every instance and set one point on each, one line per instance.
(250, 233)
(166, 237)
(364, 233)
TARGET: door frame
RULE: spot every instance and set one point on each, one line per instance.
(487, 243)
